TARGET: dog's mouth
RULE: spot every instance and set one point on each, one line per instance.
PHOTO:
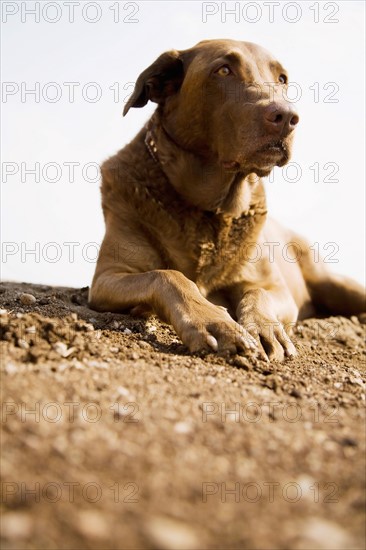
(275, 153)
(277, 149)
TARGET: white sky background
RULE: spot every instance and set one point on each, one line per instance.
(106, 52)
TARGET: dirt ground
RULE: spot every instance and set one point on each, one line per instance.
(114, 436)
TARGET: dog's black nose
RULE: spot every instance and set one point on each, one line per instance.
(280, 118)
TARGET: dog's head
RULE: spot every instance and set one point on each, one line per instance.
(222, 98)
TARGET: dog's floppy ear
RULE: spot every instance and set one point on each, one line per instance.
(163, 78)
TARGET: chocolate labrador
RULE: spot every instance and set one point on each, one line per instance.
(187, 234)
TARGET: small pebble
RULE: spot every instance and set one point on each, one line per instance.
(144, 344)
(124, 392)
(169, 534)
(93, 524)
(182, 428)
(23, 343)
(61, 349)
(3, 312)
(27, 299)
(322, 535)
(114, 349)
(11, 368)
(16, 525)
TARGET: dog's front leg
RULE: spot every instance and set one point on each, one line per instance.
(269, 316)
(200, 324)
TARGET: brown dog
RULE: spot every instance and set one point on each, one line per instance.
(185, 210)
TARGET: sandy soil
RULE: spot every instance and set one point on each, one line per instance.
(113, 436)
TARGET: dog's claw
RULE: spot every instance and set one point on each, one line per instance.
(212, 342)
(290, 351)
(248, 342)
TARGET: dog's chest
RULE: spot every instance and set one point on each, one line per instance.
(211, 249)
(223, 248)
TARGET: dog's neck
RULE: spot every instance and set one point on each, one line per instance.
(201, 181)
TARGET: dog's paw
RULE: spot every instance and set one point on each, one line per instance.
(271, 336)
(210, 328)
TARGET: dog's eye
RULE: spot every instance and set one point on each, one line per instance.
(282, 78)
(223, 71)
